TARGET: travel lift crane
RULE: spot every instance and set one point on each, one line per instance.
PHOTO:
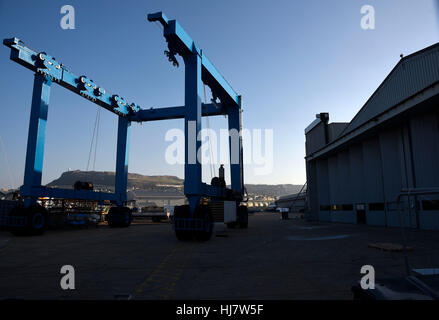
(207, 203)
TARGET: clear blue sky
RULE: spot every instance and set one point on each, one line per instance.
(288, 59)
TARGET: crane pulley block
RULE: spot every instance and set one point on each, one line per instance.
(48, 66)
(88, 89)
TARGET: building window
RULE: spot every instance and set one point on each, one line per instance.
(347, 207)
(336, 207)
(379, 206)
(430, 205)
(325, 208)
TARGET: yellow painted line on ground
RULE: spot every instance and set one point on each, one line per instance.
(180, 269)
(151, 276)
(165, 272)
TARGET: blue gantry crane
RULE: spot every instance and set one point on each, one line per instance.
(207, 203)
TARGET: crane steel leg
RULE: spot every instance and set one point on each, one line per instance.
(236, 163)
(36, 137)
(235, 148)
(121, 216)
(123, 141)
(33, 218)
(192, 121)
(193, 220)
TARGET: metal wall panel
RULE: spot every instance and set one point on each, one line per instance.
(344, 177)
(425, 148)
(344, 217)
(376, 169)
(411, 75)
(356, 173)
(339, 181)
(315, 139)
(324, 195)
(335, 129)
(393, 175)
(429, 220)
(406, 163)
(334, 183)
(373, 182)
(312, 183)
(376, 218)
(390, 144)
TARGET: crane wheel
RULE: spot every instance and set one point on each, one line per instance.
(203, 213)
(119, 217)
(183, 235)
(243, 217)
(35, 222)
(232, 225)
(181, 212)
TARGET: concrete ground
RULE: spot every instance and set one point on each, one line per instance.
(273, 259)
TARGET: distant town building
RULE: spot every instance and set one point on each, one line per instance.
(296, 203)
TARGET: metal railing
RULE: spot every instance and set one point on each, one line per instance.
(410, 192)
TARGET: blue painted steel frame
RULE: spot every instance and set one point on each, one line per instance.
(36, 135)
(235, 148)
(46, 65)
(184, 45)
(32, 188)
(48, 70)
(89, 90)
(198, 69)
(123, 149)
(192, 126)
(154, 114)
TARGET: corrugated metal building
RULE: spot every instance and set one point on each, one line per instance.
(296, 203)
(356, 170)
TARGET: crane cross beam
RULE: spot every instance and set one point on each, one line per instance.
(47, 65)
(183, 44)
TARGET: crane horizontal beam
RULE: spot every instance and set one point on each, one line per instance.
(59, 193)
(154, 114)
(184, 45)
(48, 66)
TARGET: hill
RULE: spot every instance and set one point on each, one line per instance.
(105, 180)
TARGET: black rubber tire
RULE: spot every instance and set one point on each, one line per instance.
(203, 212)
(128, 218)
(119, 217)
(183, 235)
(243, 217)
(111, 219)
(37, 220)
(232, 225)
(182, 212)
